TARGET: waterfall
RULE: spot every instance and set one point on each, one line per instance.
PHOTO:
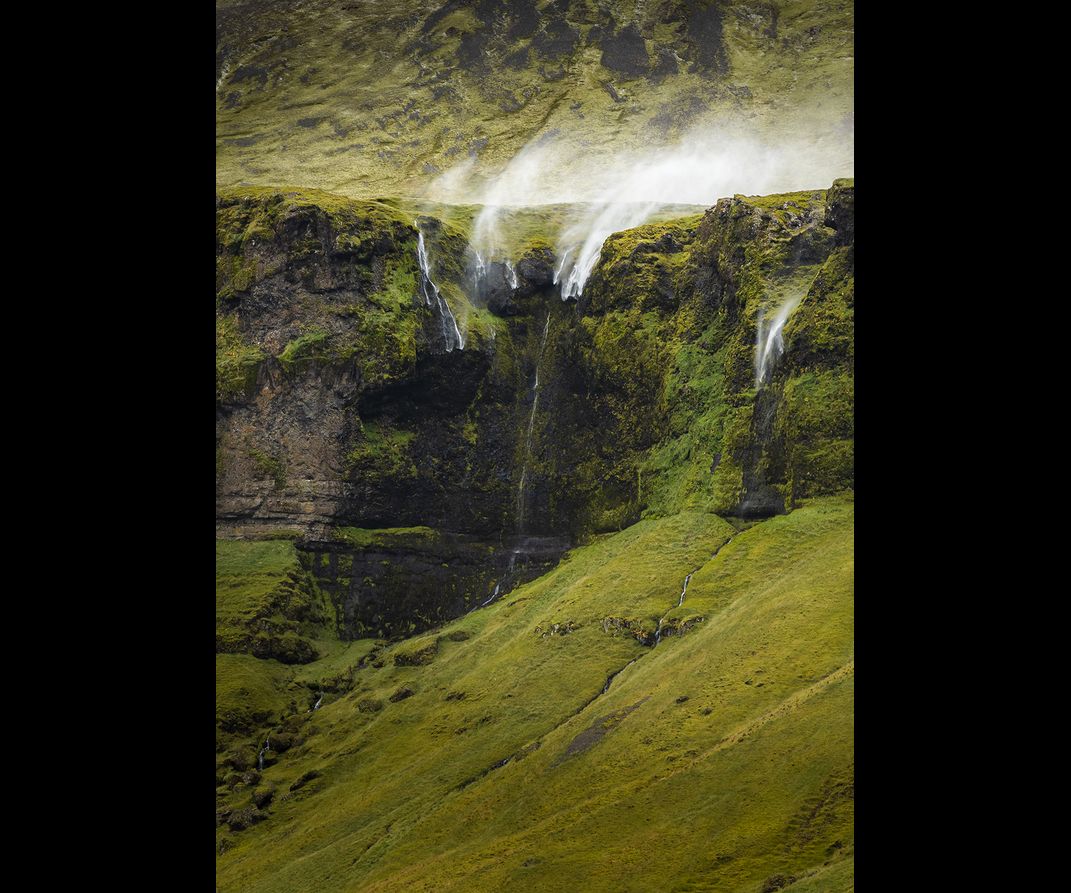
(769, 345)
(479, 274)
(263, 750)
(521, 501)
(316, 706)
(658, 631)
(433, 297)
(482, 272)
(586, 236)
(683, 591)
(494, 595)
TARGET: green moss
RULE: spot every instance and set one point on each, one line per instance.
(822, 330)
(816, 420)
(385, 536)
(237, 362)
(248, 574)
(268, 466)
(309, 347)
(382, 451)
(249, 692)
(740, 720)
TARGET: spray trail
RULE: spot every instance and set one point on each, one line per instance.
(769, 343)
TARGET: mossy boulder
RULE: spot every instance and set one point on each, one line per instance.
(417, 656)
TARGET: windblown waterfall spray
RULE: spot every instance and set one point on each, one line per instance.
(769, 343)
(607, 193)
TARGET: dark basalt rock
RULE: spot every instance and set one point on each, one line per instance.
(496, 292)
(240, 819)
(525, 20)
(840, 211)
(557, 39)
(626, 52)
(704, 32)
(535, 271)
(666, 65)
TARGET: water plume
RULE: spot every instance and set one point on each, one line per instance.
(610, 192)
(515, 186)
(769, 343)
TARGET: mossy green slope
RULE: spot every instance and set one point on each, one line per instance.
(722, 759)
(373, 99)
(276, 644)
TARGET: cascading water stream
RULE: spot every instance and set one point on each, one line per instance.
(685, 590)
(316, 706)
(586, 238)
(433, 297)
(769, 343)
(658, 631)
(687, 580)
(263, 750)
(521, 501)
(494, 595)
(482, 269)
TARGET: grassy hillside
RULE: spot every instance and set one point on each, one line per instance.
(375, 99)
(486, 755)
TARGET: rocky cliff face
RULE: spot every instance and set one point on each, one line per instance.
(340, 403)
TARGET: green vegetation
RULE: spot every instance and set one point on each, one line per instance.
(381, 453)
(380, 99)
(726, 751)
(269, 467)
(361, 538)
(544, 741)
(236, 361)
(275, 640)
(310, 346)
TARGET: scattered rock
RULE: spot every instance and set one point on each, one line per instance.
(281, 741)
(557, 629)
(240, 819)
(626, 52)
(418, 657)
(401, 694)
